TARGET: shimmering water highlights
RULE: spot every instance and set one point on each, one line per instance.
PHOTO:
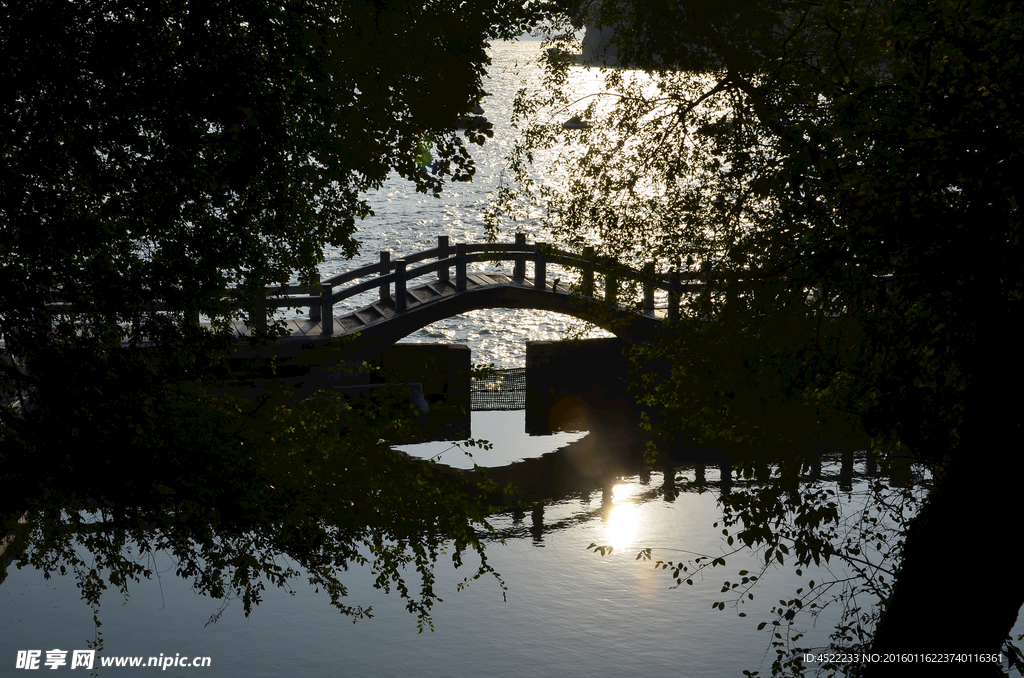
(406, 221)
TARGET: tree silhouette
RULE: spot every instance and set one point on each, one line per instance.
(843, 174)
(155, 155)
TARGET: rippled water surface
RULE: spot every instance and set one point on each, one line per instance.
(406, 221)
(568, 612)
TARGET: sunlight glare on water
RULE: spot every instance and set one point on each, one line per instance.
(623, 521)
(405, 221)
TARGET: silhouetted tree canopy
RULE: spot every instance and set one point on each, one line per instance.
(845, 175)
(153, 156)
(168, 151)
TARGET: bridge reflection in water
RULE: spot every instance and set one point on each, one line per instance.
(609, 448)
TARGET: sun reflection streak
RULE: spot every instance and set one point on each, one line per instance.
(623, 519)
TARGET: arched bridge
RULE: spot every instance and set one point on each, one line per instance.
(414, 294)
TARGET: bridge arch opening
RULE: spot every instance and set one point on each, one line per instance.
(499, 335)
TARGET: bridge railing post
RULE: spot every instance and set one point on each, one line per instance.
(385, 269)
(442, 253)
(611, 289)
(587, 282)
(257, 313)
(649, 288)
(258, 316)
(519, 269)
(399, 285)
(460, 267)
(539, 268)
(673, 292)
(326, 310)
(314, 309)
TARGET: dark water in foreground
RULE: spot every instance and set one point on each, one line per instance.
(569, 611)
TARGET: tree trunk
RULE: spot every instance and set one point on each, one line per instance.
(959, 588)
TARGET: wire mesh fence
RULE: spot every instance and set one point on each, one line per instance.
(499, 389)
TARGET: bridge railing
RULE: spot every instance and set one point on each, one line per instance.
(391, 277)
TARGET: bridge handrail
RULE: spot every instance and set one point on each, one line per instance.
(507, 252)
(349, 276)
(501, 252)
(386, 275)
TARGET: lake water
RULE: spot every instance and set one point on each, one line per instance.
(569, 612)
(406, 221)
